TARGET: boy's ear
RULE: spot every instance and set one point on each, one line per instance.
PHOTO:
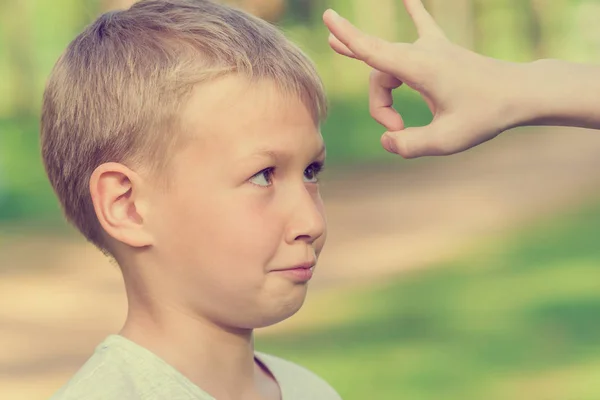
(118, 195)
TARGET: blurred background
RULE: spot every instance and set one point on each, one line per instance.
(464, 277)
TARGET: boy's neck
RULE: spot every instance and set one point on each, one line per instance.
(218, 360)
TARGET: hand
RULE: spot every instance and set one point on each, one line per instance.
(470, 96)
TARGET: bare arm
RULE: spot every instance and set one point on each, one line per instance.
(560, 93)
(473, 98)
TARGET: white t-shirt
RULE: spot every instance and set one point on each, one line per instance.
(120, 369)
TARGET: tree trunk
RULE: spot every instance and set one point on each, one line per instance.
(456, 18)
(377, 18)
(503, 29)
(587, 31)
(552, 18)
(16, 19)
(108, 5)
(269, 10)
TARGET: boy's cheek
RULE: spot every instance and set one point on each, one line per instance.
(320, 242)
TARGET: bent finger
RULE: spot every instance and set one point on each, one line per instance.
(381, 100)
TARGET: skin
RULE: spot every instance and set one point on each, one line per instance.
(201, 258)
(473, 98)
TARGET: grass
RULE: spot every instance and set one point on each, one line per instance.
(519, 319)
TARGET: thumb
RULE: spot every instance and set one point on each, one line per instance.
(435, 139)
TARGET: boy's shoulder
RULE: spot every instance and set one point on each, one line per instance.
(297, 382)
(120, 370)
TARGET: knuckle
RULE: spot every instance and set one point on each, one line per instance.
(369, 48)
(403, 149)
(376, 114)
(422, 64)
(374, 76)
(373, 111)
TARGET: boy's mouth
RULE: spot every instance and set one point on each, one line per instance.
(301, 272)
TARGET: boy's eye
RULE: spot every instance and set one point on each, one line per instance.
(264, 178)
(311, 174)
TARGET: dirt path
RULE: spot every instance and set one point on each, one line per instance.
(382, 221)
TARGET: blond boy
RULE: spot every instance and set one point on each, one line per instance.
(182, 138)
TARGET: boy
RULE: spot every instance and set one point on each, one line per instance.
(182, 138)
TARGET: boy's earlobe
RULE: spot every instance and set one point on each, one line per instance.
(116, 194)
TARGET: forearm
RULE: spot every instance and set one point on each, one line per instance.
(559, 93)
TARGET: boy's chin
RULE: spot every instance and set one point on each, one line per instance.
(277, 312)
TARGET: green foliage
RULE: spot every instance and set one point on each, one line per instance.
(31, 43)
(25, 193)
(352, 136)
(518, 320)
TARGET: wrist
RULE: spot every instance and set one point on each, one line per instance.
(514, 95)
(555, 92)
(529, 87)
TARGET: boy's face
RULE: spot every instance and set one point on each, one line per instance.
(243, 204)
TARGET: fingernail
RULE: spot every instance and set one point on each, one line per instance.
(390, 144)
(335, 14)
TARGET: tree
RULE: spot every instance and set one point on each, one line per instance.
(108, 5)
(18, 49)
(270, 10)
(456, 18)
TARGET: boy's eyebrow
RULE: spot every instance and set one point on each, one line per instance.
(278, 156)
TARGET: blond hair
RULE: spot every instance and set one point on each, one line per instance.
(115, 93)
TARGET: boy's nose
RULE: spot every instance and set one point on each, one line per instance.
(307, 219)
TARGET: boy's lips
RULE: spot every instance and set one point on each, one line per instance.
(304, 265)
(302, 272)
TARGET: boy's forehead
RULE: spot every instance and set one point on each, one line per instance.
(233, 122)
(233, 103)
(235, 93)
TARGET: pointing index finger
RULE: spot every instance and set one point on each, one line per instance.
(393, 58)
